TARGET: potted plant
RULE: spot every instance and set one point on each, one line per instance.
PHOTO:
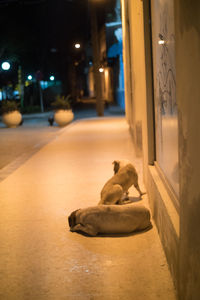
(63, 114)
(11, 115)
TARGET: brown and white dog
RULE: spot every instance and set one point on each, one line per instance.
(114, 189)
(110, 219)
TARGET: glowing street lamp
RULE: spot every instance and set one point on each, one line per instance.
(30, 77)
(5, 66)
(77, 45)
(52, 78)
(101, 70)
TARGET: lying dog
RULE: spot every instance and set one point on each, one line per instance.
(114, 189)
(110, 219)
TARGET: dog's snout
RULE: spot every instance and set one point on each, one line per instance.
(72, 219)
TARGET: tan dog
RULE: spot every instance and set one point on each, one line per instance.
(114, 189)
(110, 219)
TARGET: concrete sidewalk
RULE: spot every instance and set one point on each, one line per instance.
(40, 258)
(18, 144)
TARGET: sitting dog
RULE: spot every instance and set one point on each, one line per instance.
(110, 219)
(114, 189)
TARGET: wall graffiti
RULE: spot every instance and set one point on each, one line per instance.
(166, 70)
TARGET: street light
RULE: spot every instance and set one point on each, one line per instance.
(77, 45)
(5, 66)
(101, 70)
(30, 77)
(52, 78)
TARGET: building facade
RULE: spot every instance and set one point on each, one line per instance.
(161, 53)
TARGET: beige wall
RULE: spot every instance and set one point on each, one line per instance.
(187, 24)
(163, 211)
(138, 78)
(180, 235)
(127, 63)
(134, 65)
(106, 84)
(141, 121)
(91, 82)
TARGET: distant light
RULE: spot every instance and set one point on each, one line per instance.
(161, 42)
(53, 50)
(44, 84)
(101, 70)
(77, 45)
(5, 66)
(52, 78)
(30, 77)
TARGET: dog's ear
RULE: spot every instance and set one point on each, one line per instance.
(72, 219)
(116, 164)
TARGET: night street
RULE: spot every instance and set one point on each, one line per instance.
(99, 140)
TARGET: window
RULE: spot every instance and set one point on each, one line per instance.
(166, 120)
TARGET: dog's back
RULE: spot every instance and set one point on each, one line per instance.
(125, 177)
(114, 218)
(118, 184)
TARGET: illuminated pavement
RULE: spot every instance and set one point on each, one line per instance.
(40, 258)
(18, 144)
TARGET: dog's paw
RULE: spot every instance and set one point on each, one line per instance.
(143, 193)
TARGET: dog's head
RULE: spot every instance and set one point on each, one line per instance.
(118, 164)
(72, 219)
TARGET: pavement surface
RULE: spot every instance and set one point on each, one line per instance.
(40, 257)
(18, 144)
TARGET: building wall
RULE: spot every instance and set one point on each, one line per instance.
(162, 196)
(142, 127)
(134, 66)
(91, 82)
(107, 78)
(127, 62)
(106, 84)
(187, 24)
(179, 229)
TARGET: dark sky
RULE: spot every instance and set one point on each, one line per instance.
(41, 34)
